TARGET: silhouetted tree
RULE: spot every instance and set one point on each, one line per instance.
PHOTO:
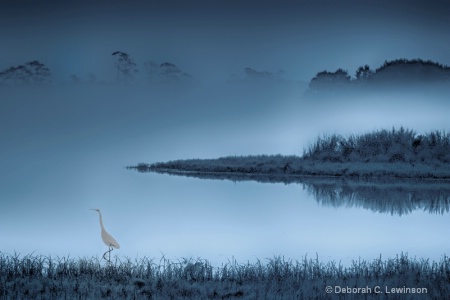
(364, 73)
(165, 72)
(33, 72)
(171, 73)
(330, 80)
(395, 72)
(39, 72)
(126, 67)
(404, 70)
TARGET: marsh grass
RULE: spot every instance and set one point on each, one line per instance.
(396, 153)
(386, 146)
(39, 277)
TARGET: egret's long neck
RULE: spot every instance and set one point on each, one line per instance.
(101, 221)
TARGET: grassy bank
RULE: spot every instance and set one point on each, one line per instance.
(397, 153)
(294, 165)
(383, 146)
(39, 277)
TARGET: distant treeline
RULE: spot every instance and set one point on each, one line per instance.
(399, 71)
(395, 153)
(127, 71)
(33, 72)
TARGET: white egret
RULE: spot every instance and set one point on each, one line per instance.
(107, 238)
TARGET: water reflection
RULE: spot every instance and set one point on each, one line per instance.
(396, 198)
(393, 196)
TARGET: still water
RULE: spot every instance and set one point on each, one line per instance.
(154, 215)
(61, 158)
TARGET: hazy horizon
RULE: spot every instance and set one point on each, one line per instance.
(213, 40)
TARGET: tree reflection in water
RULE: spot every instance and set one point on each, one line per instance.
(394, 197)
(388, 195)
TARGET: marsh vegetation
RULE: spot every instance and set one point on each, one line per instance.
(399, 153)
(39, 277)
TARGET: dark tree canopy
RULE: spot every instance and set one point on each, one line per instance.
(330, 80)
(169, 72)
(364, 73)
(395, 72)
(412, 71)
(126, 67)
(33, 72)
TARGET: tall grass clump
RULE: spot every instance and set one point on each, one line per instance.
(399, 153)
(396, 145)
(39, 277)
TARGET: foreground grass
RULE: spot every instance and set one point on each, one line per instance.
(39, 277)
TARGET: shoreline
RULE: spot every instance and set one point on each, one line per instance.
(296, 177)
(297, 167)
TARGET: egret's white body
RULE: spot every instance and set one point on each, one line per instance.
(107, 238)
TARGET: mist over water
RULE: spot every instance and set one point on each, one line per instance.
(203, 121)
(65, 149)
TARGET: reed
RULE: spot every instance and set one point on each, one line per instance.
(40, 277)
(396, 153)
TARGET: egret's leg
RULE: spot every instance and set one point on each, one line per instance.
(109, 254)
(104, 254)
